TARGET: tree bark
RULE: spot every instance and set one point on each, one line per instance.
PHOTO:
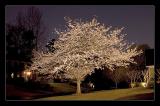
(131, 84)
(116, 84)
(78, 87)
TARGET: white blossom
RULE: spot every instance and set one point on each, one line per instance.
(84, 46)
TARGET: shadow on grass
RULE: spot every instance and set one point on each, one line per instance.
(59, 94)
(37, 96)
(51, 95)
(145, 96)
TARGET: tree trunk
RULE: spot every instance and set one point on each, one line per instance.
(78, 87)
(116, 84)
(132, 84)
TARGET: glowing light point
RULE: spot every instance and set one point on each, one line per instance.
(143, 84)
(12, 75)
(28, 73)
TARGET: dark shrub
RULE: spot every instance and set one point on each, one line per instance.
(18, 81)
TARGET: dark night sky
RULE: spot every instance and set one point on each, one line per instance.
(138, 20)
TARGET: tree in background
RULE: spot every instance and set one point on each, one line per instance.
(134, 76)
(32, 20)
(50, 46)
(140, 59)
(22, 38)
(19, 45)
(137, 71)
(118, 75)
(84, 46)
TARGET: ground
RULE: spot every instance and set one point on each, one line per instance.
(17, 93)
(64, 91)
(117, 94)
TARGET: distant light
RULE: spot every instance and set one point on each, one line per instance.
(28, 73)
(144, 84)
(12, 75)
(18, 75)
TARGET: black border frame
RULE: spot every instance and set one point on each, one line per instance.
(3, 3)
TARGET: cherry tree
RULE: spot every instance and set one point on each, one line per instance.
(43, 64)
(84, 46)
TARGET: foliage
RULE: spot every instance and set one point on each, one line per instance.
(140, 59)
(21, 38)
(50, 46)
(19, 46)
(84, 46)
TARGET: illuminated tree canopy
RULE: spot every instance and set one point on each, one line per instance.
(84, 46)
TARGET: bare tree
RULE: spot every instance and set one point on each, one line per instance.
(32, 20)
(146, 76)
(118, 75)
(134, 76)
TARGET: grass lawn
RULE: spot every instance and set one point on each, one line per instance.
(116, 94)
(14, 92)
(17, 93)
(62, 88)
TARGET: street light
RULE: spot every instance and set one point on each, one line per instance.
(28, 73)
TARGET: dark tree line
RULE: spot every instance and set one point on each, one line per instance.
(32, 20)
(22, 38)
